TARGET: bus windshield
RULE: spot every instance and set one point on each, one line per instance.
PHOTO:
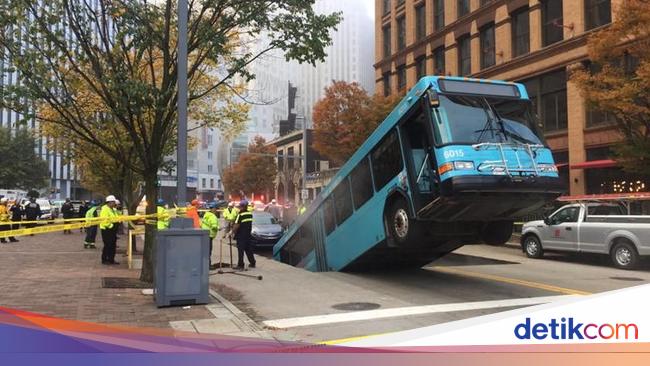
(477, 119)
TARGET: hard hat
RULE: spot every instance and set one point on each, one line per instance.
(3, 200)
(243, 203)
(110, 198)
(195, 202)
(212, 205)
(160, 202)
(93, 203)
(117, 202)
(231, 204)
(273, 200)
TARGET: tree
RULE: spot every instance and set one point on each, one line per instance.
(123, 55)
(20, 167)
(617, 81)
(345, 117)
(255, 171)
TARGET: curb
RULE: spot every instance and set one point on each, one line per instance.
(240, 315)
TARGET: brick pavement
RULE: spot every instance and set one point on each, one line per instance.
(53, 274)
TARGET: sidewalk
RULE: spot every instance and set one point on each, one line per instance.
(52, 274)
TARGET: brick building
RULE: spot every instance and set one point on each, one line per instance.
(536, 42)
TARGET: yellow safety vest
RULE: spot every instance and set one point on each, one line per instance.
(107, 213)
(163, 218)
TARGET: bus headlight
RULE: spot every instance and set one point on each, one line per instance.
(463, 165)
(547, 168)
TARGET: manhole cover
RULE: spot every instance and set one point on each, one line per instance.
(627, 278)
(356, 306)
(123, 282)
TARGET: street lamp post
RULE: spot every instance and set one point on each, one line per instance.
(181, 149)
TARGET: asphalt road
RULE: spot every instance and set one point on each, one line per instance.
(472, 281)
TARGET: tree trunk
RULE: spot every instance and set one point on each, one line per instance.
(149, 251)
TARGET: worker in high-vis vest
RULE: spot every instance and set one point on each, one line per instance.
(242, 232)
(91, 231)
(109, 230)
(229, 214)
(210, 222)
(192, 212)
(163, 215)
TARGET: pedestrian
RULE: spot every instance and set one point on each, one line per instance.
(210, 222)
(275, 210)
(4, 219)
(193, 213)
(68, 212)
(91, 231)
(163, 215)
(32, 212)
(230, 214)
(16, 216)
(242, 232)
(83, 208)
(108, 230)
(302, 208)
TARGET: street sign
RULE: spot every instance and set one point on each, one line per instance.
(304, 194)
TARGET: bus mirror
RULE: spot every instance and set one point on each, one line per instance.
(434, 102)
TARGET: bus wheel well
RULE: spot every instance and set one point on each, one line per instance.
(394, 197)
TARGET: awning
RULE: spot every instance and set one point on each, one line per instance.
(632, 196)
(561, 165)
(595, 164)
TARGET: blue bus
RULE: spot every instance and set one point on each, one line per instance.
(454, 163)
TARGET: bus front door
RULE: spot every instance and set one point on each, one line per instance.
(417, 140)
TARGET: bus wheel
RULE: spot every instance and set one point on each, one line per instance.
(497, 233)
(400, 225)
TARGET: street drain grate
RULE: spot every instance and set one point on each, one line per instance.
(627, 278)
(356, 306)
(123, 282)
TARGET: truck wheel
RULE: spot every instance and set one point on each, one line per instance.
(400, 226)
(497, 232)
(624, 255)
(533, 247)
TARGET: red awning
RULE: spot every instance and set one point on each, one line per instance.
(561, 165)
(595, 164)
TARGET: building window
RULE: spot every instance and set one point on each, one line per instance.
(211, 182)
(209, 139)
(597, 13)
(598, 117)
(487, 46)
(464, 56)
(552, 23)
(209, 168)
(400, 2)
(280, 160)
(401, 33)
(386, 35)
(386, 82)
(485, 2)
(386, 6)
(420, 23)
(401, 77)
(438, 14)
(210, 155)
(548, 94)
(420, 67)
(439, 61)
(203, 182)
(520, 32)
(290, 158)
(463, 7)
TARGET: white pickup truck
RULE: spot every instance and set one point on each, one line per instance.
(591, 228)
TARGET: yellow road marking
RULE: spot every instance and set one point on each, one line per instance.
(513, 281)
(351, 339)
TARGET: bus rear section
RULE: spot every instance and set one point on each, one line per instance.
(455, 163)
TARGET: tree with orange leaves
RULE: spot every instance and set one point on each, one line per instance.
(254, 172)
(617, 81)
(345, 117)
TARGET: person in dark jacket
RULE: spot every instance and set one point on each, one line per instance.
(32, 212)
(83, 208)
(68, 212)
(16, 216)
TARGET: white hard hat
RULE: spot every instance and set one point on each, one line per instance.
(273, 200)
(110, 198)
(117, 201)
(3, 199)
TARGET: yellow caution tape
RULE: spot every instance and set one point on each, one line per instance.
(81, 223)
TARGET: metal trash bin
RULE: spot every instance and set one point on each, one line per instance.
(182, 265)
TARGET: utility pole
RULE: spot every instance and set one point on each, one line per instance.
(181, 149)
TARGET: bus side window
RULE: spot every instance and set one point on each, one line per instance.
(386, 160)
(343, 201)
(328, 214)
(361, 183)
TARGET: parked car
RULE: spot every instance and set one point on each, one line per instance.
(76, 204)
(590, 228)
(266, 230)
